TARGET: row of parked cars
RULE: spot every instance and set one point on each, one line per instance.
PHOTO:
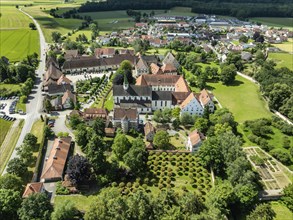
(7, 98)
(2, 105)
(7, 118)
(12, 107)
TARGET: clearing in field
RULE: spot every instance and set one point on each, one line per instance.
(242, 98)
(282, 59)
(17, 40)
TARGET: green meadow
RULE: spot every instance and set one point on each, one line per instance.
(275, 22)
(242, 98)
(282, 59)
(17, 40)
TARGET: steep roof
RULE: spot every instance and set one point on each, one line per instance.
(204, 97)
(148, 127)
(63, 80)
(195, 137)
(179, 97)
(104, 52)
(54, 88)
(55, 164)
(168, 67)
(133, 90)
(32, 188)
(52, 73)
(70, 54)
(188, 100)
(155, 69)
(70, 95)
(169, 58)
(90, 113)
(142, 64)
(121, 113)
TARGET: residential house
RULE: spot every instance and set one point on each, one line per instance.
(58, 90)
(192, 105)
(149, 132)
(67, 101)
(195, 139)
(206, 99)
(51, 76)
(125, 119)
(56, 161)
(32, 188)
(169, 68)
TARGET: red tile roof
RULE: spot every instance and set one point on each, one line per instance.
(32, 188)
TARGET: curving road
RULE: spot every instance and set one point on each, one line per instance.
(35, 99)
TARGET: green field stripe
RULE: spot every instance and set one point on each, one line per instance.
(22, 38)
(7, 37)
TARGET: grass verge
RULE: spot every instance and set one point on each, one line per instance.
(4, 128)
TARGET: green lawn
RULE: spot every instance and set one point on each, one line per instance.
(81, 202)
(282, 59)
(286, 46)
(4, 128)
(282, 212)
(17, 40)
(243, 99)
(21, 106)
(275, 22)
(6, 89)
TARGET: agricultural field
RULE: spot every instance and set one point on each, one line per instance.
(286, 46)
(282, 59)
(17, 40)
(4, 128)
(179, 171)
(275, 22)
(242, 98)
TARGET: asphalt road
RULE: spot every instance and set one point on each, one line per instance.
(34, 105)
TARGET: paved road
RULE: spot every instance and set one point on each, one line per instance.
(34, 104)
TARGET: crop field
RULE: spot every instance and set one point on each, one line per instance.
(50, 24)
(282, 59)
(242, 98)
(275, 22)
(16, 38)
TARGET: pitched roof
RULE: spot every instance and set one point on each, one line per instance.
(150, 59)
(204, 97)
(32, 188)
(142, 64)
(104, 51)
(148, 127)
(133, 90)
(63, 80)
(162, 95)
(155, 69)
(70, 95)
(90, 113)
(169, 58)
(52, 73)
(121, 113)
(179, 97)
(163, 80)
(195, 137)
(54, 88)
(188, 100)
(168, 68)
(55, 164)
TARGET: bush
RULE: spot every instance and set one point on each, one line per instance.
(136, 185)
(184, 188)
(282, 156)
(61, 190)
(129, 184)
(146, 181)
(161, 186)
(114, 184)
(121, 185)
(23, 99)
(145, 186)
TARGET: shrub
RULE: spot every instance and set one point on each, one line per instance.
(184, 188)
(160, 186)
(136, 185)
(134, 190)
(126, 191)
(138, 179)
(129, 184)
(149, 163)
(146, 180)
(145, 186)
(121, 185)
(114, 184)
(158, 153)
(61, 190)
(153, 181)
(170, 174)
(169, 180)
(151, 152)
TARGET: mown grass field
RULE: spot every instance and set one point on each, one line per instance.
(243, 99)
(4, 128)
(275, 22)
(80, 202)
(282, 59)
(282, 212)
(286, 46)
(17, 40)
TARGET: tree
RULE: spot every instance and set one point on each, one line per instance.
(190, 204)
(135, 158)
(36, 206)
(95, 153)
(25, 153)
(10, 202)
(47, 105)
(228, 74)
(56, 36)
(243, 39)
(11, 181)
(95, 31)
(74, 121)
(121, 146)
(32, 26)
(186, 119)
(263, 211)
(78, 170)
(17, 167)
(64, 211)
(81, 136)
(176, 112)
(30, 140)
(201, 124)
(158, 116)
(166, 115)
(287, 197)
(278, 96)
(162, 140)
(99, 127)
